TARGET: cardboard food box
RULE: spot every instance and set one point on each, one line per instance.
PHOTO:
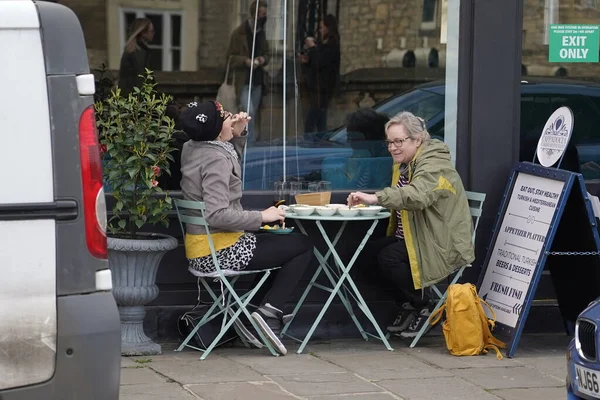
(314, 199)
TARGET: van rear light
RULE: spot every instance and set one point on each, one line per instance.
(94, 206)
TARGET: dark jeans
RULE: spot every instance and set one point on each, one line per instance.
(391, 271)
(316, 118)
(293, 253)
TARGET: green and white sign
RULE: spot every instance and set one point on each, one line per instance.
(573, 43)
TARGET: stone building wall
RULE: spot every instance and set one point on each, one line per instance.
(92, 16)
(363, 22)
(217, 20)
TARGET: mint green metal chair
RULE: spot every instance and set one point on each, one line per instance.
(476, 205)
(229, 303)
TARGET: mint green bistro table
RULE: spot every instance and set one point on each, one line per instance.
(339, 275)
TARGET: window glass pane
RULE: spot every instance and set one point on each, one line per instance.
(176, 59)
(429, 10)
(175, 30)
(578, 89)
(300, 97)
(156, 59)
(129, 18)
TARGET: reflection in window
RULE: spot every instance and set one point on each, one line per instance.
(374, 36)
(578, 88)
(588, 4)
(165, 49)
(429, 10)
(429, 14)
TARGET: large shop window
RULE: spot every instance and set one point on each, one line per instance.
(309, 80)
(165, 49)
(547, 85)
(301, 100)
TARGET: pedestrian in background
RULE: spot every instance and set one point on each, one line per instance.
(322, 60)
(136, 56)
(248, 54)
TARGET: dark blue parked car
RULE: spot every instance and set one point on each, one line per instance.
(583, 364)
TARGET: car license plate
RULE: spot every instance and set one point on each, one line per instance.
(587, 381)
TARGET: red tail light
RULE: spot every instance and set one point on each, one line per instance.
(94, 206)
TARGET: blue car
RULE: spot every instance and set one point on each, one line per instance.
(583, 363)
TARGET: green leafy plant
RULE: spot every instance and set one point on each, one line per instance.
(104, 83)
(135, 140)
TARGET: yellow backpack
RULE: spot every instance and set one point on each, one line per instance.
(467, 329)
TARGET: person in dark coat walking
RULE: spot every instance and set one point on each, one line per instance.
(323, 63)
(244, 43)
(136, 56)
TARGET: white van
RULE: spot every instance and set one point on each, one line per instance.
(59, 324)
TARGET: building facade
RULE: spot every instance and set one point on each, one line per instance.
(479, 50)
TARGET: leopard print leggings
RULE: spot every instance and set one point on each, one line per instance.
(234, 257)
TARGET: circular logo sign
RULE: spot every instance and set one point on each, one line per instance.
(555, 137)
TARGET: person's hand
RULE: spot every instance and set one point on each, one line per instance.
(249, 62)
(239, 122)
(310, 42)
(261, 60)
(304, 58)
(273, 214)
(357, 198)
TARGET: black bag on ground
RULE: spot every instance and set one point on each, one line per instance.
(207, 332)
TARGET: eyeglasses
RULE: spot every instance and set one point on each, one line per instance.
(396, 142)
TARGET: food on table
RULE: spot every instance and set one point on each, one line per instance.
(269, 227)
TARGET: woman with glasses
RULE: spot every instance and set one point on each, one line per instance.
(429, 234)
(211, 173)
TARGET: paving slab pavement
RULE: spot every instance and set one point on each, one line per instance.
(350, 369)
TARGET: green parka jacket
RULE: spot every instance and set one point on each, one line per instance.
(436, 218)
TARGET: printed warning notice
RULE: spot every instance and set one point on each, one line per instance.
(518, 246)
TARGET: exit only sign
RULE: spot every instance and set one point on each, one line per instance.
(573, 43)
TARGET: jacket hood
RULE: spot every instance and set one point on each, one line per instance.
(434, 149)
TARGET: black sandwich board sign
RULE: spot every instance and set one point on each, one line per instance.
(535, 202)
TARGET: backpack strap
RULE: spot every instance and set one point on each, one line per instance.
(437, 315)
(496, 349)
(493, 342)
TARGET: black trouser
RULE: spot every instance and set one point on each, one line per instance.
(316, 117)
(293, 253)
(392, 270)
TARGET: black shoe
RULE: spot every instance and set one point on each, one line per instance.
(405, 316)
(269, 320)
(415, 326)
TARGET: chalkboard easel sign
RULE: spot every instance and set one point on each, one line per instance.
(533, 205)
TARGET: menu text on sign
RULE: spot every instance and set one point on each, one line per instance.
(518, 245)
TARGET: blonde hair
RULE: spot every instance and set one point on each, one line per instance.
(138, 26)
(416, 127)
